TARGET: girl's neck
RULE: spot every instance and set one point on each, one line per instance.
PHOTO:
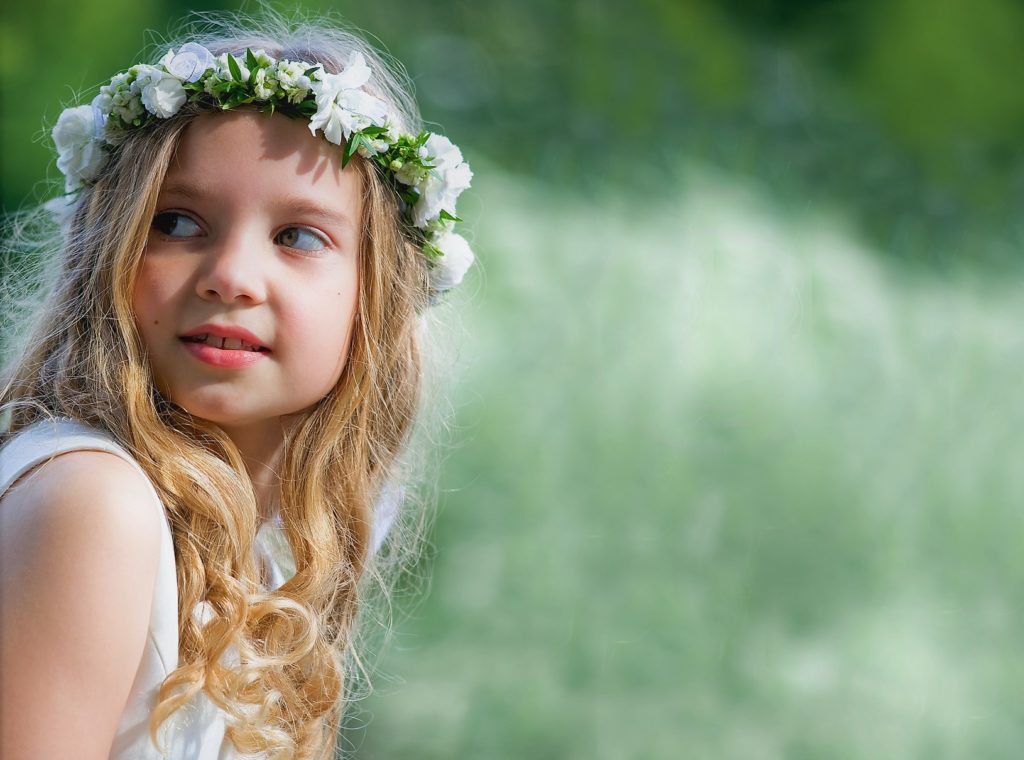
(261, 446)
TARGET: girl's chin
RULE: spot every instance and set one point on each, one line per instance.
(231, 416)
(227, 412)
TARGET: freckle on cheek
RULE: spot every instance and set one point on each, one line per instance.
(156, 321)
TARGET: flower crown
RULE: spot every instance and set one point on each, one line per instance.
(426, 170)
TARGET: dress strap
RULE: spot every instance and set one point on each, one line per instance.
(46, 439)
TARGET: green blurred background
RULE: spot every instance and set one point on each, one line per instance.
(736, 471)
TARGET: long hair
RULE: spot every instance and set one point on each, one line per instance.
(285, 692)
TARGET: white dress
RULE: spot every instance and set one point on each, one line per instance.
(196, 731)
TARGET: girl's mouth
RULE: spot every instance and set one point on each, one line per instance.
(225, 344)
(225, 353)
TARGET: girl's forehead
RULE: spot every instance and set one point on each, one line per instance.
(256, 152)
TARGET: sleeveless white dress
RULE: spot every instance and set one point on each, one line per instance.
(196, 731)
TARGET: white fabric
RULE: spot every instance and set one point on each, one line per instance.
(196, 732)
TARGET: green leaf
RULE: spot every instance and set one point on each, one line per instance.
(353, 146)
(346, 155)
(446, 217)
(432, 251)
(236, 73)
(311, 71)
(250, 60)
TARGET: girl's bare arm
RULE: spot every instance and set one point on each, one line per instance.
(79, 541)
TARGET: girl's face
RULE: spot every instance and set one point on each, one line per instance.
(248, 285)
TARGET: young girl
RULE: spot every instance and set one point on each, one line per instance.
(254, 227)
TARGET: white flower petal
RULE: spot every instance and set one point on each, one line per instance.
(163, 96)
(365, 104)
(444, 152)
(79, 155)
(449, 270)
(355, 74)
(189, 63)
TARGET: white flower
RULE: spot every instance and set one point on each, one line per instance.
(128, 106)
(80, 155)
(449, 270)
(443, 184)
(293, 80)
(224, 70)
(262, 89)
(264, 60)
(118, 98)
(189, 63)
(410, 173)
(106, 129)
(99, 117)
(161, 93)
(342, 107)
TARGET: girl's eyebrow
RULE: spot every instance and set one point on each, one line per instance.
(306, 207)
(289, 204)
(185, 189)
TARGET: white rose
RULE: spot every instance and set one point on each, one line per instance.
(444, 182)
(446, 154)
(189, 63)
(100, 111)
(164, 97)
(104, 102)
(449, 270)
(79, 155)
(161, 93)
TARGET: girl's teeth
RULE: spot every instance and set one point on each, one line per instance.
(229, 344)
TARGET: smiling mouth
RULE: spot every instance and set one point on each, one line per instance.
(226, 344)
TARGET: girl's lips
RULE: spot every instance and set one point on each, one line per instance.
(223, 357)
(225, 331)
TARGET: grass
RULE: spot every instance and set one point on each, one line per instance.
(726, 486)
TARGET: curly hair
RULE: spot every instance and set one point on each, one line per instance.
(286, 692)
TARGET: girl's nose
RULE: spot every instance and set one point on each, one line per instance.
(233, 271)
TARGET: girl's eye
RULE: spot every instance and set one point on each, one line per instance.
(174, 224)
(303, 239)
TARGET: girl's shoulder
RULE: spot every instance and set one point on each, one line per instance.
(54, 449)
(63, 483)
(62, 477)
(80, 539)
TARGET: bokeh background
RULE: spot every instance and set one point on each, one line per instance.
(737, 461)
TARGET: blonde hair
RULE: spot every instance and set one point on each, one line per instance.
(85, 359)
